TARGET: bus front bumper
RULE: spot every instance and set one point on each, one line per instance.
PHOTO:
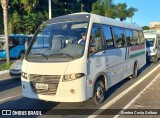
(70, 91)
(151, 57)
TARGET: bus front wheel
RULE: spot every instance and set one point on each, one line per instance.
(99, 92)
(135, 71)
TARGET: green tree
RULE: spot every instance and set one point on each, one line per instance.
(99, 8)
(24, 16)
(131, 11)
(87, 5)
(145, 28)
(109, 9)
(121, 11)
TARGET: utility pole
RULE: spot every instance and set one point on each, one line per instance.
(50, 9)
(5, 19)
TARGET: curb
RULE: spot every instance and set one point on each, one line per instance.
(4, 71)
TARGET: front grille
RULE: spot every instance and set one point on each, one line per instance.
(51, 80)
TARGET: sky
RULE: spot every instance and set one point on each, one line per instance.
(148, 11)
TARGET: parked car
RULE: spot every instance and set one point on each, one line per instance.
(15, 69)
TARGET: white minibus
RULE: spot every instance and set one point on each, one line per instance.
(58, 68)
(152, 46)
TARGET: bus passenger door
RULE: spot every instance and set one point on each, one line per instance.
(96, 58)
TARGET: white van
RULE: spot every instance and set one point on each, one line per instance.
(152, 46)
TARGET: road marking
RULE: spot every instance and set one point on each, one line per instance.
(95, 114)
(4, 99)
(134, 99)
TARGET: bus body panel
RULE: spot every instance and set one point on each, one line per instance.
(15, 52)
(96, 65)
(2, 54)
(120, 62)
(64, 87)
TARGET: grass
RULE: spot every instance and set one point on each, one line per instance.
(5, 66)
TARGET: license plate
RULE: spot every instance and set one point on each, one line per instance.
(41, 86)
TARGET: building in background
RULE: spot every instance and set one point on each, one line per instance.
(155, 26)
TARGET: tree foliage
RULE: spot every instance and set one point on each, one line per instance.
(109, 9)
(26, 15)
(145, 28)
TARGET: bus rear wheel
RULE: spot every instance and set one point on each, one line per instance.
(135, 71)
(99, 92)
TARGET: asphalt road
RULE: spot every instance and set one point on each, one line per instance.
(11, 97)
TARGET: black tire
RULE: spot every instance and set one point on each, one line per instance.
(135, 71)
(21, 55)
(99, 92)
(156, 60)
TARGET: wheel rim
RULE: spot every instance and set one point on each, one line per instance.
(100, 93)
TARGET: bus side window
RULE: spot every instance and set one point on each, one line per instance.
(107, 34)
(142, 37)
(119, 37)
(21, 40)
(129, 37)
(136, 37)
(96, 39)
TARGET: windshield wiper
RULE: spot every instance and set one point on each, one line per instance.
(43, 55)
(62, 54)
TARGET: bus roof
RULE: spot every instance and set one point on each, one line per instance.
(151, 35)
(94, 18)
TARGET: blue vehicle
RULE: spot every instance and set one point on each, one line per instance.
(17, 44)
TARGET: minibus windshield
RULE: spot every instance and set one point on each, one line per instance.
(58, 41)
(150, 42)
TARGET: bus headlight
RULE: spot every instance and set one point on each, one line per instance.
(73, 76)
(24, 75)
